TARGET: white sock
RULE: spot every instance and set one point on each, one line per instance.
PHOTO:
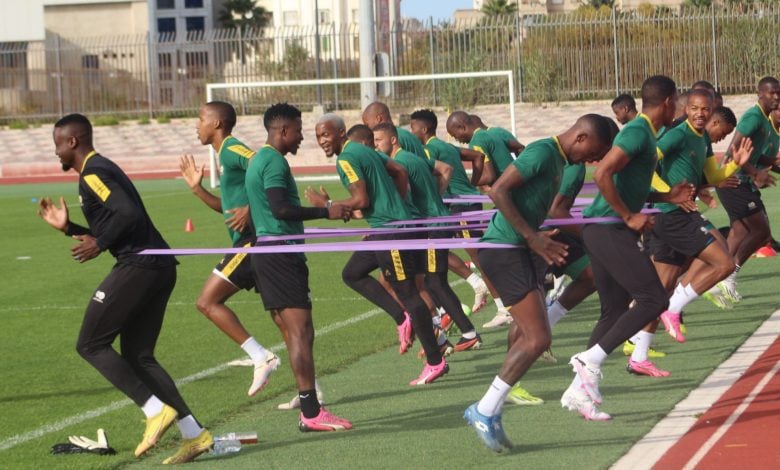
(681, 297)
(190, 429)
(499, 304)
(255, 351)
(474, 280)
(152, 407)
(436, 321)
(595, 356)
(490, 404)
(555, 313)
(642, 346)
(442, 338)
(440, 311)
(470, 334)
(635, 338)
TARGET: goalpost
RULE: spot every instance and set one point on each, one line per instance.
(210, 87)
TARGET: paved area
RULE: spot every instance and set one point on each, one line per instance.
(156, 147)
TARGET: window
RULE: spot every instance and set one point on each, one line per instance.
(195, 23)
(166, 96)
(89, 61)
(166, 28)
(324, 16)
(166, 4)
(290, 18)
(193, 3)
(197, 64)
(164, 61)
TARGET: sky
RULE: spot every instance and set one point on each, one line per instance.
(439, 9)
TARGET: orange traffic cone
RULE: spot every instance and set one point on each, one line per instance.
(188, 227)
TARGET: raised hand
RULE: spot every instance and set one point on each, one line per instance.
(741, 155)
(317, 198)
(55, 216)
(192, 175)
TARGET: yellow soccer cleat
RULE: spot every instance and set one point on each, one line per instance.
(520, 396)
(155, 428)
(628, 349)
(191, 448)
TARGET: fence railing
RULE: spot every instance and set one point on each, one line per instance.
(581, 55)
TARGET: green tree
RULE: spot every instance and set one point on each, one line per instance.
(698, 3)
(243, 14)
(499, 7)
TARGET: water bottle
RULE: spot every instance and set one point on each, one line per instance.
(225, 445)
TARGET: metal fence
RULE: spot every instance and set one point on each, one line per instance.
(581, 55)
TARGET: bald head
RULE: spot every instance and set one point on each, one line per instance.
(461, 126)
(376, 113)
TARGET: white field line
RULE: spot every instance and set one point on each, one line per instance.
(723, 429)
(13, 441)
(645, 453)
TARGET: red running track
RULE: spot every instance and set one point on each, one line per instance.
(742, 429)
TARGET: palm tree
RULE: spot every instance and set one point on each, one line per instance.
(243, 14)
(499, 7)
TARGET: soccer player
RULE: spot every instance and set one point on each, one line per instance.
(680, 234)
(504, 135)
(621, 270)
(363, 173)
(468, 131)
(431, 263)
(423, 125)
(214, 126)
(749, 224)
(523, 195)
(282, 279)
(624, 108)
(131, 300)
(377, 113)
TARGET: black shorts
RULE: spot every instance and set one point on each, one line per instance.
(741, 202)
(677, 236)
(458, 208)
(432, 260)
(513, 271)
(577, 259)
(396, 265)
(282, 279)
(236, 268)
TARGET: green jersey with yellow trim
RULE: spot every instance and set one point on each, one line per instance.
(356, 162)
(424, 189)
(503, 135)
(493, 148)
(269, 169)
(637, 140)
(541, 168)
(682, 152)
(460, 184)
(234, 158)
(572, 180)
(758, 126)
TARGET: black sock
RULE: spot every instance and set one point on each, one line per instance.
(310, 407)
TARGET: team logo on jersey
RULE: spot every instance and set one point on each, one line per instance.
(751, 205)
(99, 296)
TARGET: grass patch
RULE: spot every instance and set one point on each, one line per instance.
(105, 121)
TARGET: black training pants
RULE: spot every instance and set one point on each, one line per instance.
(130, 303)
(622, 273)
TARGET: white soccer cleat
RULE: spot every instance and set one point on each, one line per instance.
(580, 402)
(263, 371)
(502, 318)
(480, 296)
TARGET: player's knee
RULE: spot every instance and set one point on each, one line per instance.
(724, 268)
(349, 276)
(204, 304)
(84, 349)
(538, 343)
(587, 280)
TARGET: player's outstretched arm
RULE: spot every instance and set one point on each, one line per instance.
(193, 176)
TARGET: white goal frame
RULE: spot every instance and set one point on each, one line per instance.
(210, 87)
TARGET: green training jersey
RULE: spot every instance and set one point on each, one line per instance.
(637, 140)
(411, 143)
(682, 152)
(360, 163)
(572, 180)
(758, 126)
(234, 158)
(424, 190)
(541, 168)
(460, 184)
(502, 134)
(493, 148)
(408, 202)
(269, 169)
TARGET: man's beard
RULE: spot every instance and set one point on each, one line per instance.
(66, 167)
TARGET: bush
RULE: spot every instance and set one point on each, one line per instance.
(105, 121)
(17, 124)
(163, 119)
(144, 120)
